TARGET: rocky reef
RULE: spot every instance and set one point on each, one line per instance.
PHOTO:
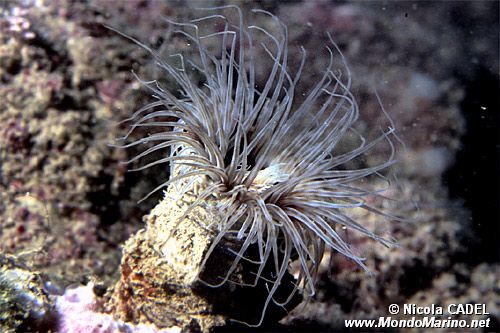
(68, 204)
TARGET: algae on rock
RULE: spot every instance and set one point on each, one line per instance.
(160, 266)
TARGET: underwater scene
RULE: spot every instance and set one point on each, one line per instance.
(249, 166)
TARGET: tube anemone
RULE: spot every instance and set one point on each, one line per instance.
(270, 162)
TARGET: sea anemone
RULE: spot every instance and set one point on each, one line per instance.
(274, 161)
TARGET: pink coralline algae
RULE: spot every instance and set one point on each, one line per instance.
(77, 314)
